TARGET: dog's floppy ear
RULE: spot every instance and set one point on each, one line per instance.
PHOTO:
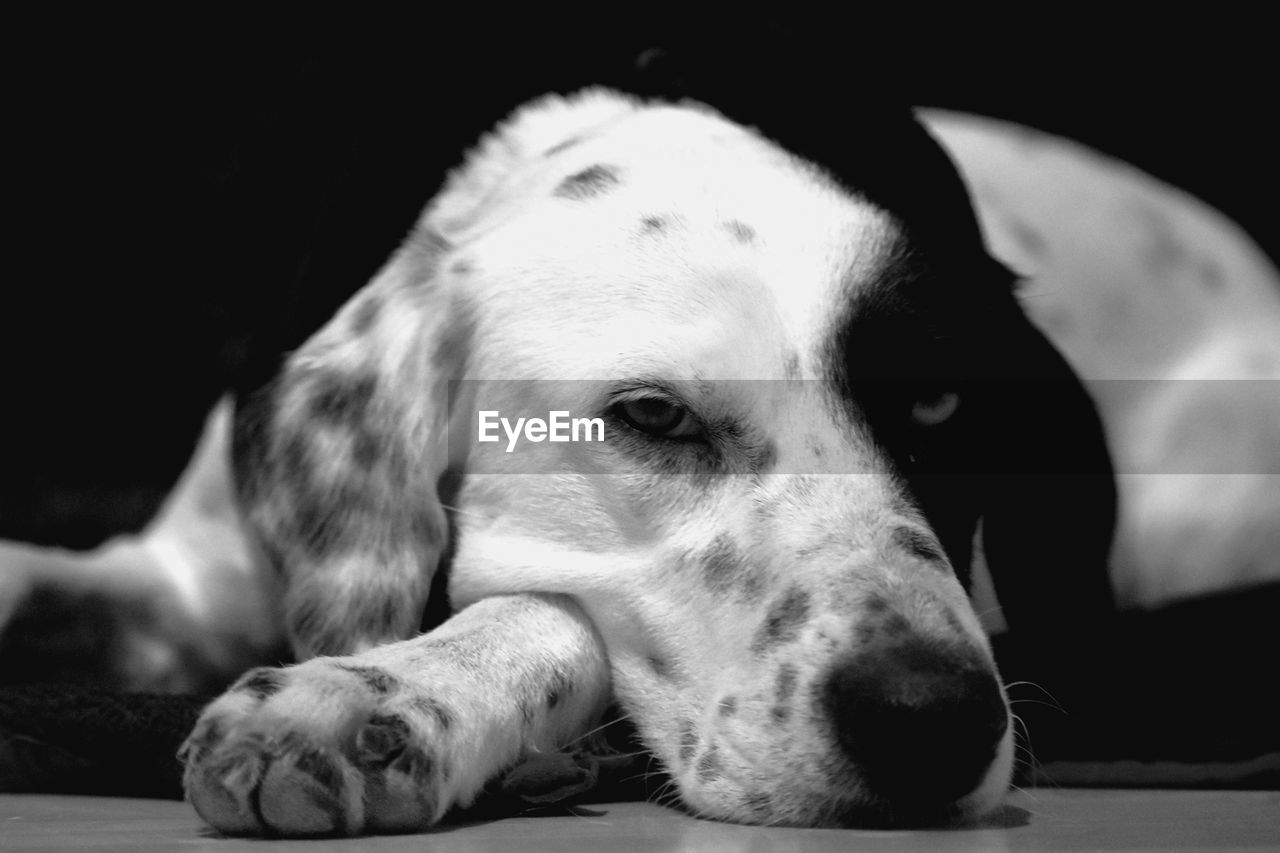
(1047, 492)
(337, 459)
(340, 458)
(1024, 454)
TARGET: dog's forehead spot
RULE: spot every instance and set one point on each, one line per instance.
(654, 224)
(589, 182)
(741, 231)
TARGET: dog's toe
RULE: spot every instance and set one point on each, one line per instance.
(399, 777)
(222, 786)
(308, 790)
(253, 783)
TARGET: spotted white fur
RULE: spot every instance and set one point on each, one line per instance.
(590, 239)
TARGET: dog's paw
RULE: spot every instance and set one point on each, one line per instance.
(327, 747)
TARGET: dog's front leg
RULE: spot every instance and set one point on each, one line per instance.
(388, 740)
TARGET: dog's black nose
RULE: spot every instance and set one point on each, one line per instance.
(921, 720)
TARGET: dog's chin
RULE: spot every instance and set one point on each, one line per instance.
(853, 808)
(868, 812)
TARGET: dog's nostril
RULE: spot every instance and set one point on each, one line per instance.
(920, 720)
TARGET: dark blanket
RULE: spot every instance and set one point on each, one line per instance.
(1170, 699)
(57, 738)
(1178, 697)
(70, 740)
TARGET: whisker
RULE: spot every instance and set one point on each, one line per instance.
(1055, 706)
(645, 775)
(665, 795)
(619, 719)
(1013, 685)
(460, 511)
(1026, 792)
(1023, 746)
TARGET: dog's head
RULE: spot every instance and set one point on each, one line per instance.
(802, 384)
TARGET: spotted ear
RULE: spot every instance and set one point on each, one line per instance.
(338, 459)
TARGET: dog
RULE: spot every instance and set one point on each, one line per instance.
(815, 386)
(715, 302)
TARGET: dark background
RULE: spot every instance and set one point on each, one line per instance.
(190, 194)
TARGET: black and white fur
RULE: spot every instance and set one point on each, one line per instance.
(765, 597)
(770, 585)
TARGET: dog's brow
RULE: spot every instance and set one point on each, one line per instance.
(919, 545)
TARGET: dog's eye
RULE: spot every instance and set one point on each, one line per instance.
(658, 417)
(933, 409)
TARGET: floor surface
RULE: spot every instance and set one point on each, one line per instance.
(1035, 820)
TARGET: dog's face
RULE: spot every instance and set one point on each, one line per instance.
(783, 616)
